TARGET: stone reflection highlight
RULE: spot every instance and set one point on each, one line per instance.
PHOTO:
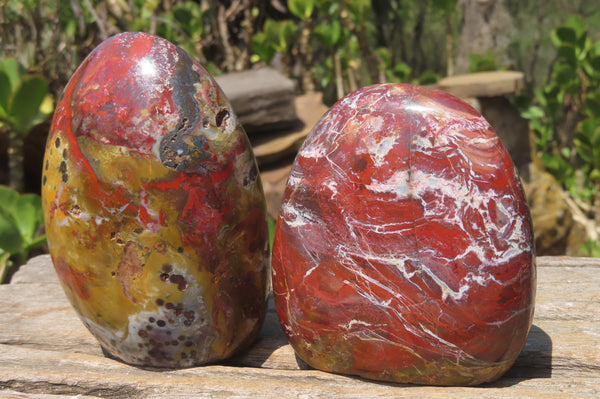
(404, 248)
(157, 230)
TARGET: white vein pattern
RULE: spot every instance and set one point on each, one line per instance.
(448, 184)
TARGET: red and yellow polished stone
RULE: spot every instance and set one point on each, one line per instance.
(404, 250)
(153, 206)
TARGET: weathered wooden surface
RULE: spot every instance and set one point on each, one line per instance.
(263, 99)
(482, 84)
(278, 145)
(45, 351)
(276, 152)
(274, 182)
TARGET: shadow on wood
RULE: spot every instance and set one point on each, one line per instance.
(535, 360)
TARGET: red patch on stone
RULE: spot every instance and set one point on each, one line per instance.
(404, 248)
(75, 281)
(146, 165)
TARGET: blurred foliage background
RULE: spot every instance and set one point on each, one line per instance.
(313, 41)
(330, 46)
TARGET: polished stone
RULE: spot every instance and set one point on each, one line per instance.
(404, 249)
(154, 209)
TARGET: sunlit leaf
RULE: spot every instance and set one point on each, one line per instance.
(189, 17)
(329, 34)
(591, 248)
(45, 110)
(8, 197)
(533, 112)
(402, 71)
(576, 23)
(595, 62)
(272, 225)
(26, 101)
(28, 215)
(14, 70)
(303, 9)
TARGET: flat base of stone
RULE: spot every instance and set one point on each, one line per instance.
(440, 374)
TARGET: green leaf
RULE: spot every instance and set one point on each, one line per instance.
(358, 9)
(5, 92)
(595, 62)
(26, 102)
(482, 62)
(402, 71)
(565, 34)
(590, 68)
(70, 28)
(5, 264)
(8, 197)
(533, 112)
(427, 78)
(586, 130)
(329, 34)
(14, 70)
(272, 228)
(583, 45)
(385, 55)
(271, 32)
(584, 151)
(183, 16)
(591, 248)
(576, 23)
(568, 53)
(189, 17)
(541, 96)
(288, 31)
(595, 139)
(551, 162)
(28, 215)
(10, 236)
(263, 49)
(592, 106)
(303, 9)
(563, 73)
(445, 5)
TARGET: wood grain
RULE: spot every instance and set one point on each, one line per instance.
(46, 352)
(483, 84)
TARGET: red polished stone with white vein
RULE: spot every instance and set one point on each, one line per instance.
(404, 248)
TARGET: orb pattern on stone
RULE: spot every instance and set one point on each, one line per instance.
(154, 209)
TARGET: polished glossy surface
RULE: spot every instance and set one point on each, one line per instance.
(403, 250)
(153, 206)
